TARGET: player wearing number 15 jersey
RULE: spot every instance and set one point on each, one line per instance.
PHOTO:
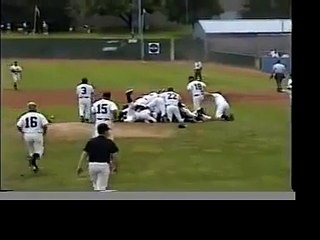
(196, 89)
(85, 93)
(33, 126)
(105, 111)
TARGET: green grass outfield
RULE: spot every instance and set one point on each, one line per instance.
(250, 154)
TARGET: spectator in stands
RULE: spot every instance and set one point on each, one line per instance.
(45, 28)
(8, 27)
(274, 53)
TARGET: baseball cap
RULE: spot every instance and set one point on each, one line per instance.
(102, 128)
(31, 104)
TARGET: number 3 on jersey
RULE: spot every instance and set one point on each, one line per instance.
(31, 122)
(83, 90)
(102, 109)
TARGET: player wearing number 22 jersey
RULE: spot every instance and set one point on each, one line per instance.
(85, 93)
(172, 100)
(105, 111)
(33, 126)
(197, 89)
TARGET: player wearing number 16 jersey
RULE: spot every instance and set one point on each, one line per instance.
(33, 126)
(105, 111)
(85, 93)
(196, 89)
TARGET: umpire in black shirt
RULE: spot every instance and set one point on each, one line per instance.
(101, 153)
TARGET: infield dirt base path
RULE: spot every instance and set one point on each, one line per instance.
(19, 99)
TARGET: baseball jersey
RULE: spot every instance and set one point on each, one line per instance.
(103, 109)
(143, 101)
(84, 90)
(279, 68)
(32, 122)
(172, 98)
(196, 88)
(219, 99)
(15, 70)
(197, 65)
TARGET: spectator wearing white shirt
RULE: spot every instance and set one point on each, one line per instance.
(274, 53)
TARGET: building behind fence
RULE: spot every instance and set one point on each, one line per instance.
(213, 42)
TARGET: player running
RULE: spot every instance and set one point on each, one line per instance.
(16, 73)
(33, 126)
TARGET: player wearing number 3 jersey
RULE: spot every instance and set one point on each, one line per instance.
(105, 111)
(33, 126)
(85, 93)
(197, 89)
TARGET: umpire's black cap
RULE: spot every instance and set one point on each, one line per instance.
(103, 128)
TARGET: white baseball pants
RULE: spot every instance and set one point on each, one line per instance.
(97, 123)
(174, 111)
(222, 109)
(188, 112)
(157, 106)
(34, 143)
(99, 175)
(133, 116)
(16, 77)
(197, 102)
(85, 108)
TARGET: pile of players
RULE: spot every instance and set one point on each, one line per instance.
(165, 106)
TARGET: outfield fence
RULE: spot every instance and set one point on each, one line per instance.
(182, 49)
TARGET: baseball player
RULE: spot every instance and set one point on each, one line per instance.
(222, 107)
(134, 112)
(196, 89)
(288, 89)
(85, 93)
(172, 100)
(33, 126)
(198, 70)
(278, 73)
(158, 107)
(16, 73)
(105, 111)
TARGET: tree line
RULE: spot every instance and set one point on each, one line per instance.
(60, 13)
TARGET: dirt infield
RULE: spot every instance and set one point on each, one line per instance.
(18, 99)
(73, 131)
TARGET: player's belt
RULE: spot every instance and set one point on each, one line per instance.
(84, 97)
(197, 95)
(103, 119)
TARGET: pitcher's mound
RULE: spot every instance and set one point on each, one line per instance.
(74, 131)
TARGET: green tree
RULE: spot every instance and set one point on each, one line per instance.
(267, 9)
(124, 9)
(189, 11)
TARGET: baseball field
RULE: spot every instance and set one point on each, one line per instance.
(250, 154)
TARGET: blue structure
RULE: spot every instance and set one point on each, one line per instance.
(267, 62)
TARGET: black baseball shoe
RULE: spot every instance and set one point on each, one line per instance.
(82, 119)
